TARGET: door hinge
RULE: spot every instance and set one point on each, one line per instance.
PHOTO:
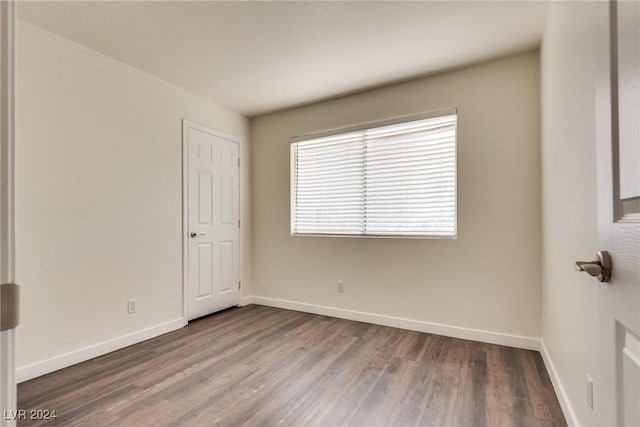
(239, 285)
(238, 161)
(238, 223)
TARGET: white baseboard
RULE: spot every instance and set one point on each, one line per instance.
(565, 403)
(246, 301)
(44, 367)
(528, 343)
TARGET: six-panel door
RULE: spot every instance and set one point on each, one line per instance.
(213, 222)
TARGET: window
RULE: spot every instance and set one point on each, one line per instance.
(388, 179)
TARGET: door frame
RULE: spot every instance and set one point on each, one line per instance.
(8, 389)
(186, 124)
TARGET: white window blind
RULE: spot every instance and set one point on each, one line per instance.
(388, 180)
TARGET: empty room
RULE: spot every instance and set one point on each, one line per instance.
(320, 213)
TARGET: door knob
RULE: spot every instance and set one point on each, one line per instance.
(194, 234)
(600, 268)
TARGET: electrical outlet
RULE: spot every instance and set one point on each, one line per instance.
(589, 392)
(131, 305)
(340, 286)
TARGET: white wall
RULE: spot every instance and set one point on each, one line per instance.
(489, 277)
(570, 300)
(99, 195)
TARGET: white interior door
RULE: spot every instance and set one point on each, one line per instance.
(213, 221)
(8, 290)
(618, 136)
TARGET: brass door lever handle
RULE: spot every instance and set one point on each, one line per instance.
(600, 268)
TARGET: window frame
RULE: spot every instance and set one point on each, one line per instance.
(360, 127)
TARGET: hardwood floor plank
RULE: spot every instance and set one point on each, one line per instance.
(262, 366)
(290, 363)
(521, 401)
(471, 398)
(210, 366)
(337, 383)
(427, 382)
(535, 389)
(364, 379)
